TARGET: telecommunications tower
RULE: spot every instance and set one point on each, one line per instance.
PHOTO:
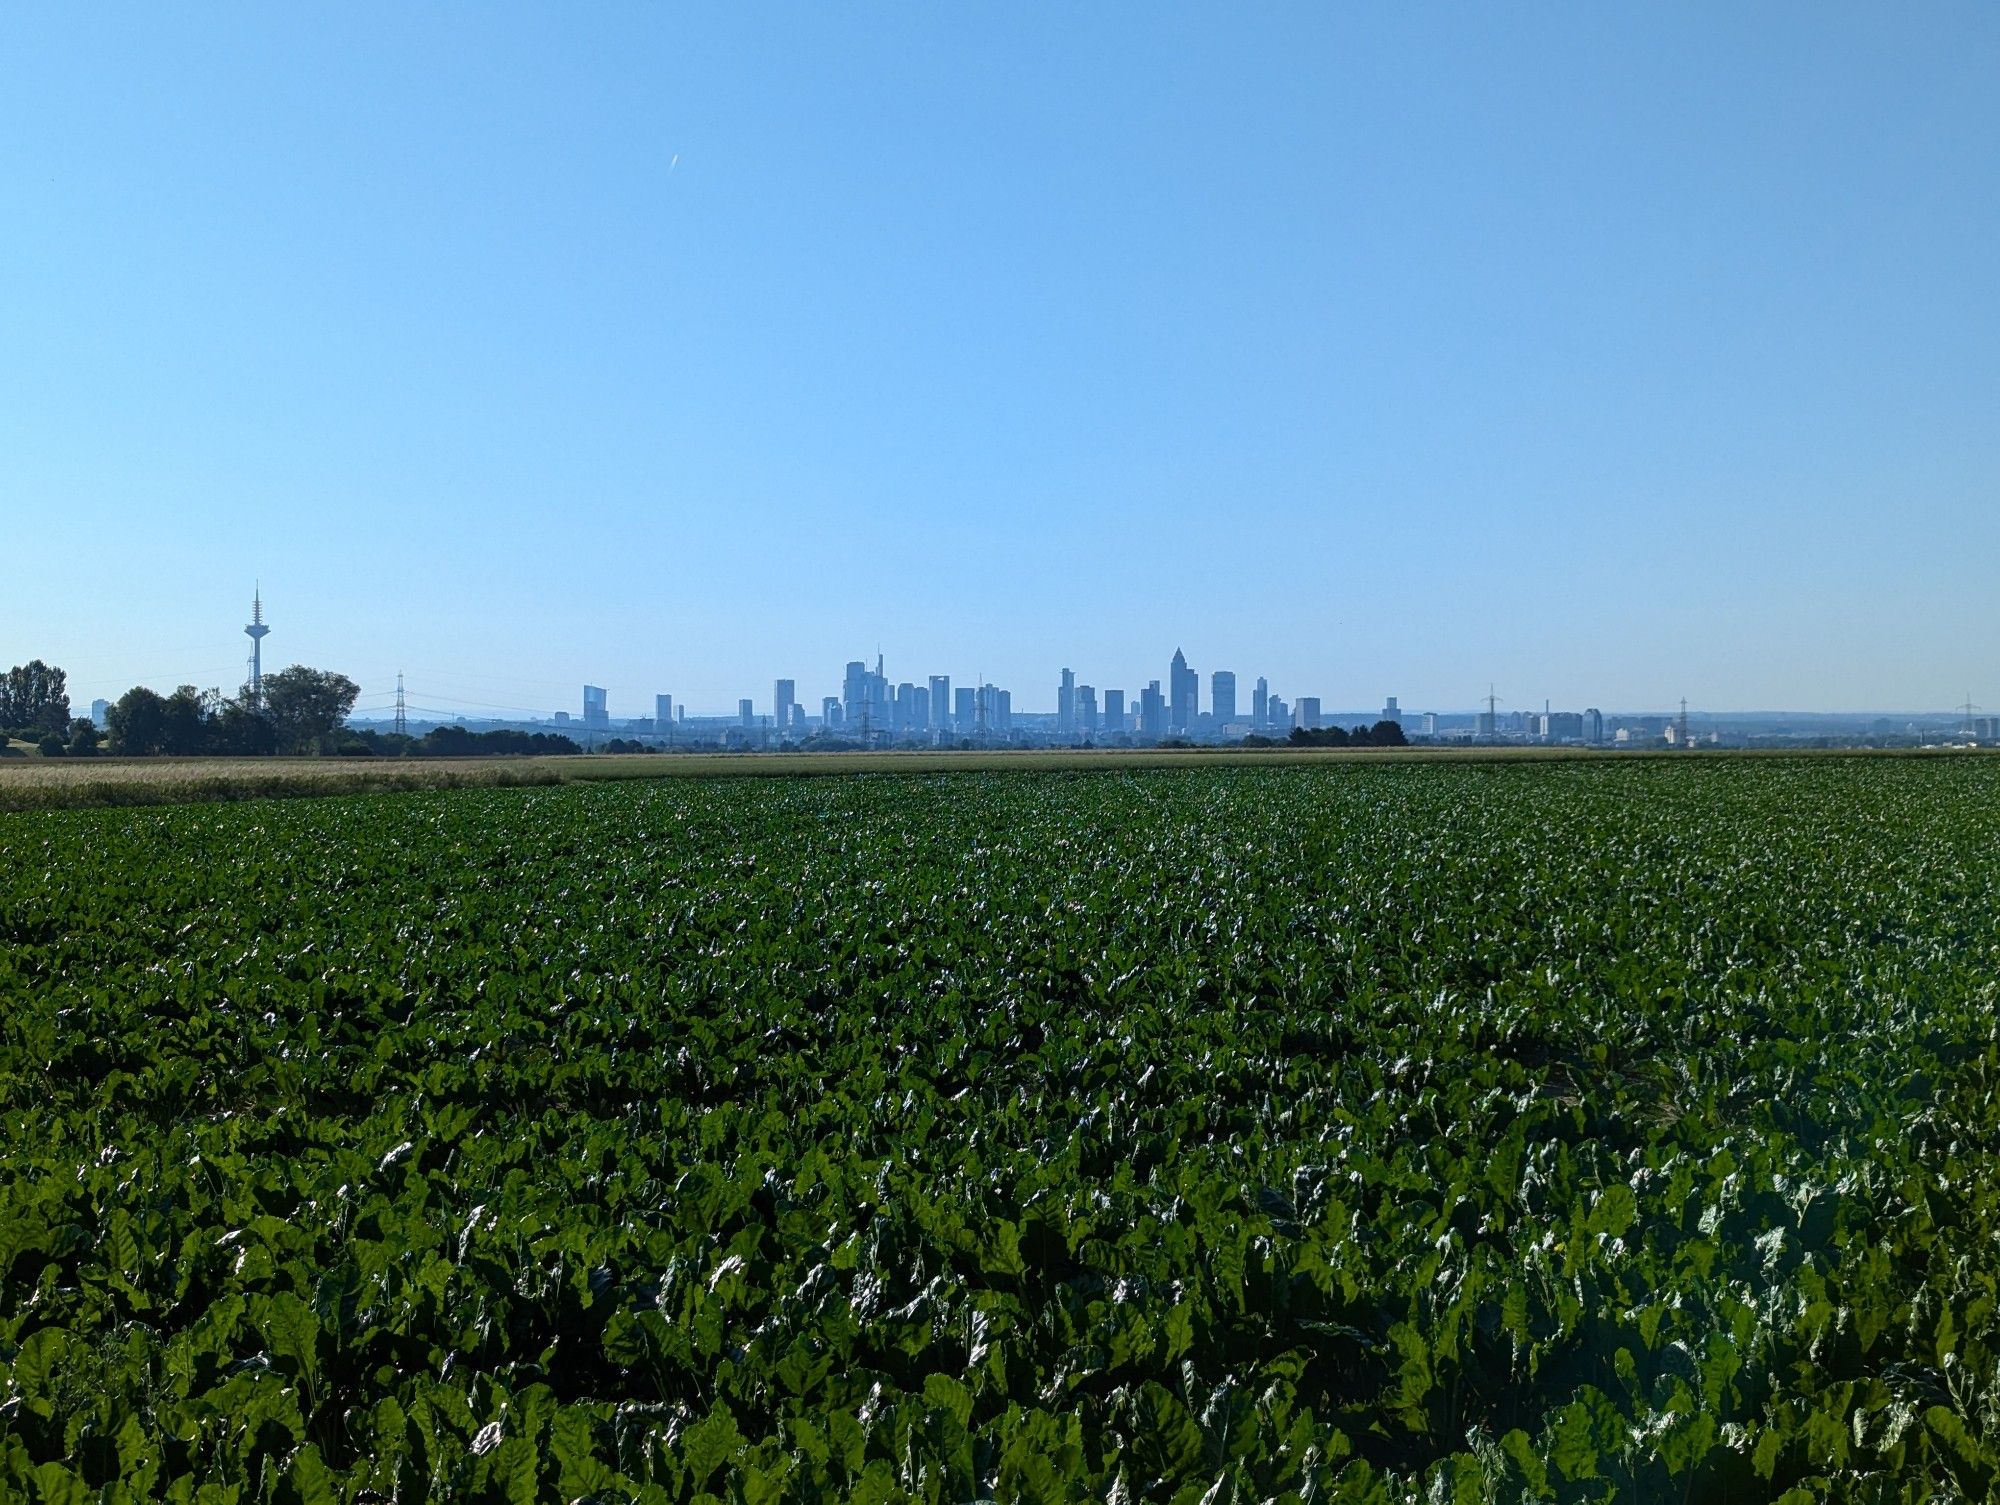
(257, 632)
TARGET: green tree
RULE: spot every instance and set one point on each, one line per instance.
(35, 696)
(188, 713)
(238, 731)
(83, 738)
(307, 706)
(138, 723)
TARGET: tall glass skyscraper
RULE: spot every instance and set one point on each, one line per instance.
(1183, 693)
(1222, 695)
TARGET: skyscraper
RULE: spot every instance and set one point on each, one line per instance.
(1066, 704)
(1307, 714)
(746, 713)
(782, 698)
(829, 713)
(1260, 704)
(1222, 695)
(853, 689)
(913, 708)
(1086, 710)
(1392, 712)
(663, 713)
(596, 710)
(1114, 713)
(1152, 710)
(941, 702)
(1184, 687)
(964, 713)
(866, 694)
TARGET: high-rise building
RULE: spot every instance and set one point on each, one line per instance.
(1222, 695)
(1066, 704)
(865, 694)
(663, 713)
(746, 713)
(596, 709)
(940, 702)
(1086, 710)
(1593, 725)
(1392, 712)
(1279, 713)
(1152, 711)
(1260, 704)
(1562, 726)
(964, 710)
(100, 714)
(1307, 714)
(1114, 713)
(854, 690)
(829, 713)
(1184, 689)
(913, 708)
(783, 698)
(1003, 712)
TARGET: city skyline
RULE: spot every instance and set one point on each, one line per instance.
(1167, 707)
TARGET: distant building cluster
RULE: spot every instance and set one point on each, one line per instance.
(872, 709)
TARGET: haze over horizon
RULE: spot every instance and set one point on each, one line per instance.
(1607, 356)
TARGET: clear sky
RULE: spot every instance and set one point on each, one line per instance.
(1611, 353)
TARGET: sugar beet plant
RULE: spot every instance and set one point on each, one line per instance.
(1583, 1132)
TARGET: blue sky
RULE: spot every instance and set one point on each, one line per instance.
(1608, 353)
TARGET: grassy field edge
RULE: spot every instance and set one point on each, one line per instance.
(54, 784)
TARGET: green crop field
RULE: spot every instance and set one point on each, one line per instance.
(1358, 1132)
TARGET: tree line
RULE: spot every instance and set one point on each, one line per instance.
(300, 710)
(1383, 733)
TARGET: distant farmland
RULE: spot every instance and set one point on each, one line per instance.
(1364, 1129)
(65, 783)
